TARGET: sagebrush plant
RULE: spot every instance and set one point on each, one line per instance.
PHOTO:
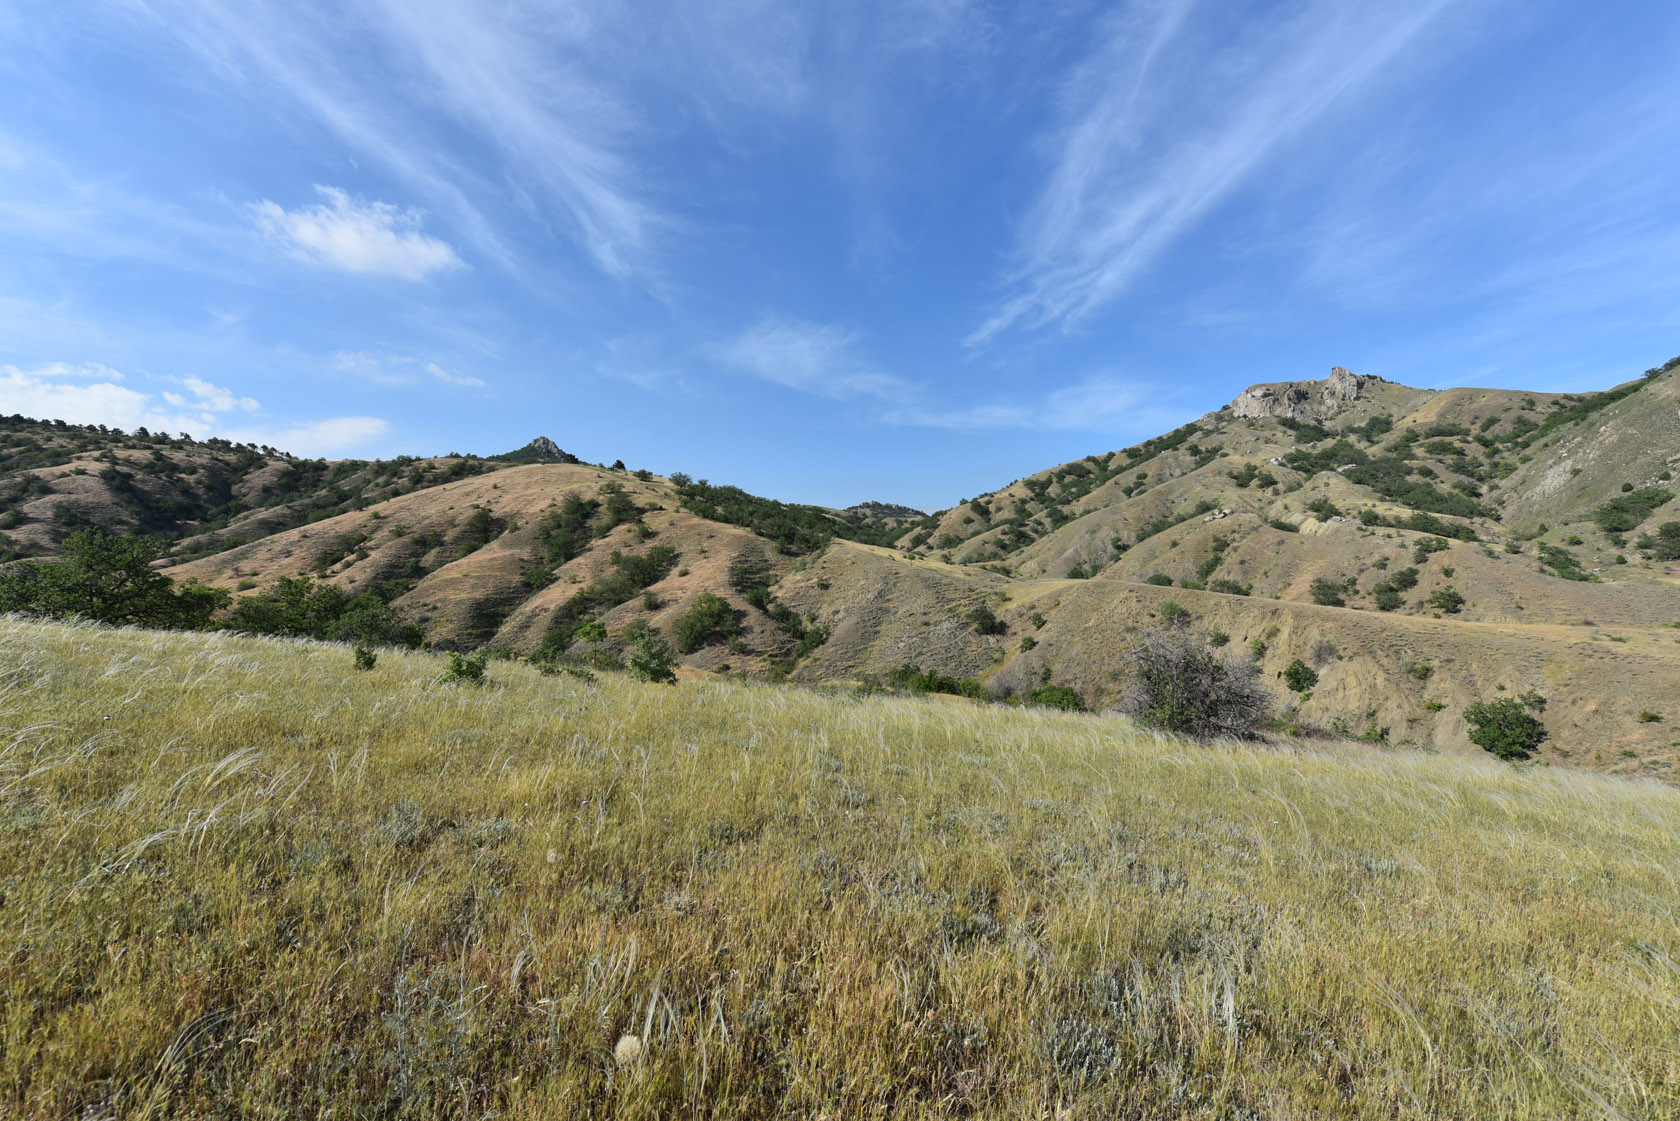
(263, 888)
(1177, 684)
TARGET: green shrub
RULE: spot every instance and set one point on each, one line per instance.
(1230, 587)
(1646, 716)
(1327, 593)
(1622, 514)
(1055, 696)
(1159, 579)
(1174, 615)
(1299, 676)
(650, 657)
(1027, 643)
(365, 659)
(466, 667)
(709, 619)
(984, 620)
(1506, 727)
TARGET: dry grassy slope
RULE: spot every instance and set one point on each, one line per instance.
(482, 598)
(1631, 441)
(886, 612)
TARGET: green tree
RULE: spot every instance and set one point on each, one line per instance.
(108, 579)
(1447, 600)
(1506, 727)
(1299, 676)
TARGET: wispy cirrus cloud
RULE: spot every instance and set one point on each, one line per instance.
(814, 358)
(1097, 403)
(1161, 125)
(404, 85)
(373, 238)
(398, 369)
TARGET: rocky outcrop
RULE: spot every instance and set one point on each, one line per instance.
(1298, 400)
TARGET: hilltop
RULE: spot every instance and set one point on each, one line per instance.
(1420, 550)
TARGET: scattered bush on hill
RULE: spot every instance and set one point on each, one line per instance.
(709, 619)
(468, 668)
(1506, 726)
(915, 680)
(984, 620)
(1665, 546)
(1627, 511)
(1447, 600)
(1327, 593)
(1179, 685)
(299, 607)
(1054, 696)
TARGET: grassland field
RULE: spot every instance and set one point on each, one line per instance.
(239, 878)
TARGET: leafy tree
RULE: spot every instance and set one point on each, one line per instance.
(1387, 597)
(709, 619)
(1159, 579)
(984, 621)
(1174, 614)
(1179, 685)
(1299, 676)
(1506, 727)
(1447, 600)
(108, 579)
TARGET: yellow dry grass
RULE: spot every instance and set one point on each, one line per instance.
(239, 878)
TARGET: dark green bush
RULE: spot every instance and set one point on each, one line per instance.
(1299, 676)
(1506, 727)
(709, 619)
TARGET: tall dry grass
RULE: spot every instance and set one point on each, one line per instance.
(239, 878)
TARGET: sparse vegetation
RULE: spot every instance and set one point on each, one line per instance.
(1299, 676)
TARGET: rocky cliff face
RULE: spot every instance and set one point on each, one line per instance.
(1298, 400)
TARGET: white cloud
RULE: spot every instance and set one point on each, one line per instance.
(332, 436)
(92, 394)
(448, 378)
(810, 357)
(211, 398)
(1161, 126)
(373, 238)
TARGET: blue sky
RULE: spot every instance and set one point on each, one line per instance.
(905, 251)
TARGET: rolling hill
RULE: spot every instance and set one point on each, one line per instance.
(1419, 549)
